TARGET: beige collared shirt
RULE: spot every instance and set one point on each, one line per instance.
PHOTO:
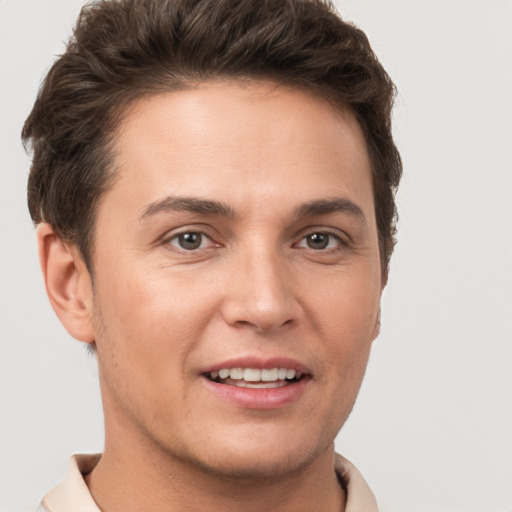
(72, 494)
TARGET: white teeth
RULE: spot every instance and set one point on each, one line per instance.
(236, 373)
(264, 385)
(290, 374)
(252, 375)
(247, 375)
(269, 375)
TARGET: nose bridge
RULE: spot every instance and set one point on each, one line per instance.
(261, 295)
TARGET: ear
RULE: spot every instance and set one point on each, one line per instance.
(376, 327)
(68, 283)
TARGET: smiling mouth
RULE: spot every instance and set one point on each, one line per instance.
(255, 378)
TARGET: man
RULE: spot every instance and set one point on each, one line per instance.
(213, 184)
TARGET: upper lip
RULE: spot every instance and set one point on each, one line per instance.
(259, 363)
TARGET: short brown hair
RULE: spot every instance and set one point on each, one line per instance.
(124, 49)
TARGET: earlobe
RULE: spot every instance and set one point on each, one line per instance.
(68, 283)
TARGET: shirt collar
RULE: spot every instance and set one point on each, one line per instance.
(72, 493)
(360, 498)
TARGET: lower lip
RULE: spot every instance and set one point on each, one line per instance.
(259, 398)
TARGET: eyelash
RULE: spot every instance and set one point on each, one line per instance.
(177, 236)
(340, 242)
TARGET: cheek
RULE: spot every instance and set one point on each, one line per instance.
(347, 313)
(153, 317)
(347, 306)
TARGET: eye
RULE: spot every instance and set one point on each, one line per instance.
(190, 241)
(320, 241)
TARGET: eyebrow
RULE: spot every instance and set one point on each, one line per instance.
(188, 204)
(330, 205)
(209, 207)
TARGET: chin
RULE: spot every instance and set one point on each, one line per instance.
(247, 468)
(255, 461)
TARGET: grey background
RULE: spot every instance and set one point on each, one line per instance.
(431, 429)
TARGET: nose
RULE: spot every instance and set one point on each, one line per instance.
(260, 293)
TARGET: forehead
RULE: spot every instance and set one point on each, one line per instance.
(245, 142)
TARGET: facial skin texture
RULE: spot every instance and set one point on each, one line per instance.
(255, 288)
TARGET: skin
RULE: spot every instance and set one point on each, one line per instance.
(257, 286)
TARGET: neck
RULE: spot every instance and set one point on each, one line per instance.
(145, 479)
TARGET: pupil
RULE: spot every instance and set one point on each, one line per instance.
(190, 240)
(318, 241)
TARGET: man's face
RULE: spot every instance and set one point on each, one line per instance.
(239, 236)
